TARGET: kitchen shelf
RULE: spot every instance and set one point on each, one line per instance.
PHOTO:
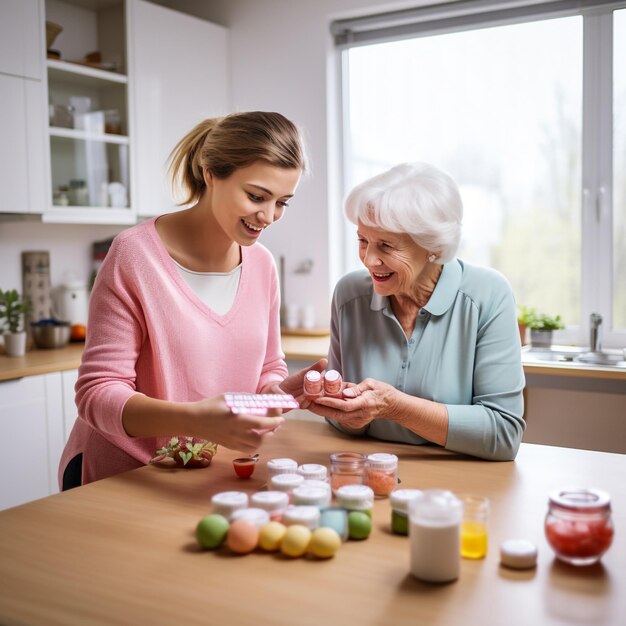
(84, 75)
(86, 100)
(71, 133)
(88, 215)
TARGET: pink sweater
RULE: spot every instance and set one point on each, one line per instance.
(149, 333)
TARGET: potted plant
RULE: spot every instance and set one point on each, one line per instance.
(12, 308)
(524, 314)
(540, 324)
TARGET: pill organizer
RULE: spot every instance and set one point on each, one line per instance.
(259, 403)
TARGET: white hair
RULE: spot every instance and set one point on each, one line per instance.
(413, 198)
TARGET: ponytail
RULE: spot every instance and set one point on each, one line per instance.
(185, 165)
(222, 145)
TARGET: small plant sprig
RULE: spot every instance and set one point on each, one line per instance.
(538, 321)
(12, 308)
(187, 452)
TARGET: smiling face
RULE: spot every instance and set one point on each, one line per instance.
(251, 199)
(393, 260)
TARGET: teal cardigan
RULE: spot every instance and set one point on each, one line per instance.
(464, 353)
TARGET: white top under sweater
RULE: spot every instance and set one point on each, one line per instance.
(216, 289)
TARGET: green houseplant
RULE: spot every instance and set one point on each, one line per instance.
(12, 308)
(540, 324)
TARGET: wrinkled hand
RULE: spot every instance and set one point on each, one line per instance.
(237, 431)
(361, 404)
(294, 384)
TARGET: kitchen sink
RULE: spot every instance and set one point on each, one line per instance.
(574, 355)
(602, 358)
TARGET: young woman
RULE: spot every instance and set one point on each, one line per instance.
(185, 307)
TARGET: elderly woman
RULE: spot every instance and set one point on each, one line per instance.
(432, 339)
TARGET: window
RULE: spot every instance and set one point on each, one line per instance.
(517, 108)
(619, 169)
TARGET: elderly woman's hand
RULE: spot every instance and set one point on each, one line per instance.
(294, 384)
(361, 403)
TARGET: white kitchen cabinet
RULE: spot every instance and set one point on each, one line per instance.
(160, 72)
(178, 74)
(22, 150)
(21, 189)
(89, 143)
(31, 429)
(20, 38)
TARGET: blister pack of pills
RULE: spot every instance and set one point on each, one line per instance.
(259, 403)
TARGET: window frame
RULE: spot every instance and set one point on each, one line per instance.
(597, 283)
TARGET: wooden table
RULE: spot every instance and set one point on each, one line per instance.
(122, 550)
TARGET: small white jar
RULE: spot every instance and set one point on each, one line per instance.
(400, 500)
(313, 471)
(322, 484)
(435, 536)
(308, 516)
(226, 503)
(286, 482)
(274, 502)
(355, 498)
(311, 496)
(256, 516)
(281, 466)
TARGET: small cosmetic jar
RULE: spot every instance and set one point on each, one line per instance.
(313, 471)
(381, 473)
(313, 384)
(337, 519)
(332, 383)
(346, 468)
(399, 499)
(356, 498)
(308, 516)
(311, 496)
(226, 503)
(286, 482)
(317, 483)
(281, 466)
(274, 502)
(254, 515)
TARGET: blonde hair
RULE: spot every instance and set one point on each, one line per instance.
(225, 144)
(413, 198)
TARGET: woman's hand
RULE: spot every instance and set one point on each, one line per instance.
(294, 384)
(238, 431)
(361, 404)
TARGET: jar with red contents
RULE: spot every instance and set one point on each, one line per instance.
(578, 525)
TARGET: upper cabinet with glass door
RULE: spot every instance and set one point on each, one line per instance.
(88, 112)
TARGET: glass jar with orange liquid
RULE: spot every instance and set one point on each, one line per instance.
(474, 527)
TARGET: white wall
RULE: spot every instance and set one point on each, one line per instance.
(69, 247)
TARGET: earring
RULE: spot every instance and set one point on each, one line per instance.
(431, 258)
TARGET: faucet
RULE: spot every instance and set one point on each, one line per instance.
(595, 337)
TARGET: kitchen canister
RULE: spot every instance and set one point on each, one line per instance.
(71, 301)
(435, 536)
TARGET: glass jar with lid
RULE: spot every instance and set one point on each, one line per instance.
(381, 473)
(346, 468)
(578, 525)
